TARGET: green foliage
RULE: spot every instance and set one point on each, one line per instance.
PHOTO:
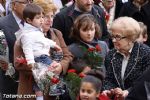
(73, 81)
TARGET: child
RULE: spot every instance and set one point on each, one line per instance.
(91, 86)
(143, 35)
(86, 32)
(35, 46)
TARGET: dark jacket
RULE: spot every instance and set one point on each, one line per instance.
(63, 21)
(141, 89)
(143, 15)
(138, 62)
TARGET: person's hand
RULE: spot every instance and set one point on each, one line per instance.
(117, 91)
(56, 67)
(86, 69)
(125, 94)
(107, 93)
(58, 48)
(31, 65)
(3, 65)
(120, 94)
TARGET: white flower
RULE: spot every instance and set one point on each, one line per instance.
(1, 33)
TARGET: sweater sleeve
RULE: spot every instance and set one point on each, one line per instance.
(26, 42)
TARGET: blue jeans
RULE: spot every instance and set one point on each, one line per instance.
(45, 59)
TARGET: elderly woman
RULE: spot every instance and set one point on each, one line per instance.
(25, 78)
(127, 61)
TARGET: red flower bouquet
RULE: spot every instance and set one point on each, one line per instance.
(73, 82)
(92, 56)
(45, 78)
(107, 16)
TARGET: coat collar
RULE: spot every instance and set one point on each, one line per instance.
(117, 64)
(89, 45)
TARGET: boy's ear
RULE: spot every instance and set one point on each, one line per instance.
(28, 20)
(145, 38)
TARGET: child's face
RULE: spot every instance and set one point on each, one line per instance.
(87, 35)
(141, 38)
(37, 21)
(88, 92)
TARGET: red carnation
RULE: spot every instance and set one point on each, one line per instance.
(81, 75)
(107, 16)
(71, 71)
(98, 48)
(54, 80)
(91, 49)
(21, 60)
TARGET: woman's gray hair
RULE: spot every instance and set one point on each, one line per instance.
(129, 27)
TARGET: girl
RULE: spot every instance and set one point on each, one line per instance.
(91, 86)
(86, 32)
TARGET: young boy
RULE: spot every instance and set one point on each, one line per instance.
(143, 35)
(35, 46)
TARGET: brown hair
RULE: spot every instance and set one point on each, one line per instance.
(143, 29)
(86, 21)
(47, 6)
(31, 10)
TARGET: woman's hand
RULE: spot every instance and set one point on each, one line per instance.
(3, 65)
(107, 93)
(57, 68)
(120, 94)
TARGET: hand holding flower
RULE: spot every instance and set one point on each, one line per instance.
(119, 93)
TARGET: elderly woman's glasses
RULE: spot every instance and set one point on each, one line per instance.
(117, 37)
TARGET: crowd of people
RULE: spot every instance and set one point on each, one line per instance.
(107, 41)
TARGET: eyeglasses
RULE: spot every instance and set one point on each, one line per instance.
(117, 37)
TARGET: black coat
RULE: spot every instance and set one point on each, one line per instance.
(138, 62)
(143, 15)
(63, 21)
(141, 89)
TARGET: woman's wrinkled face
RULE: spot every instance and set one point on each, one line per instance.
(88, 92)
(87, 35)
(48, 21)
(119, 40)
